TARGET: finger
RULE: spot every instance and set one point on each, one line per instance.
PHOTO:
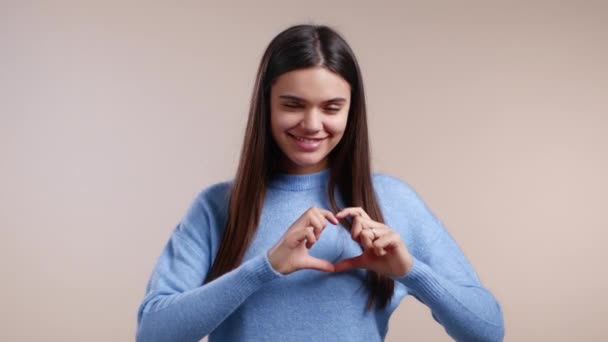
(366, 238)
(315, 221)
(310, 237)
(305, 234)
(318, 264)
(329, 216)
(361, 223)
(380, 229)
(350, 263)
(368, 230)
(373, 236)
(316, 227)
(356, 228)
(352, 211)
(323, 219)
(387, 241)
(361, 233)
(378, 250)
(369, 223)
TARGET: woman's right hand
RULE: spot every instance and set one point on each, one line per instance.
(290, 253)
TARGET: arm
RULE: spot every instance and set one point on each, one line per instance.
(466, 310)
(176, 307)
(442, 278)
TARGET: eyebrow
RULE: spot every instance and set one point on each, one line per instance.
(295, 98)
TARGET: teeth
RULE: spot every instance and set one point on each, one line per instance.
(305, 140)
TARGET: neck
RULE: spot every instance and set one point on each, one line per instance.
(289, 167)
(300, 181)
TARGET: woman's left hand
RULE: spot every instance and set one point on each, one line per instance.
(383, 250)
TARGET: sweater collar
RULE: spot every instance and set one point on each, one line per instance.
(299, 182)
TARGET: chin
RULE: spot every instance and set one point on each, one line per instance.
(307, 158)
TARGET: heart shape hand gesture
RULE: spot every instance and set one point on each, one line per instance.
(383, 250)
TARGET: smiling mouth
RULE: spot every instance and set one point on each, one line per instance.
(307, 144)
(310, 140)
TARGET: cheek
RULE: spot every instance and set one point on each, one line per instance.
(277, 126)
(281, 122)
(337, 126)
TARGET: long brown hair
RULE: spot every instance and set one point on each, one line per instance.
(297, 47)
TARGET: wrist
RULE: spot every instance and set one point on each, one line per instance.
(274, 263)
(408, 264)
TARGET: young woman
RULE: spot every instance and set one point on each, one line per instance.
(305, 243)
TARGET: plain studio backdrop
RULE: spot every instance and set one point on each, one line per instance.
(115, 114)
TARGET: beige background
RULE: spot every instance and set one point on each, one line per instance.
(115, 114)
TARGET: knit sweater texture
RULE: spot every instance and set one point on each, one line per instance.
(254, 302)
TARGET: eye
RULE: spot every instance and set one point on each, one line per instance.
(333, 109)
(292, 105)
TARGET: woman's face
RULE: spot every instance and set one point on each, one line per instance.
(308, 114)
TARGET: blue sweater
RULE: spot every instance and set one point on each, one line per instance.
(256, 303)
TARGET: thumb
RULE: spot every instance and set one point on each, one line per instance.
(347, 264)
(317, 264)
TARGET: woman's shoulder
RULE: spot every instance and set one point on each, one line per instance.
(209, 206)
(387, 184)
(402, 203)
(392, 189)
(216, 194)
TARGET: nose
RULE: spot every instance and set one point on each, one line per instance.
(312, 121)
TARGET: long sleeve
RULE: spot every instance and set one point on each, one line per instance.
(176, 307)
(441, 277)
(444, 280)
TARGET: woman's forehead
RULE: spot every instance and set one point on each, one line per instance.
(314, 85)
